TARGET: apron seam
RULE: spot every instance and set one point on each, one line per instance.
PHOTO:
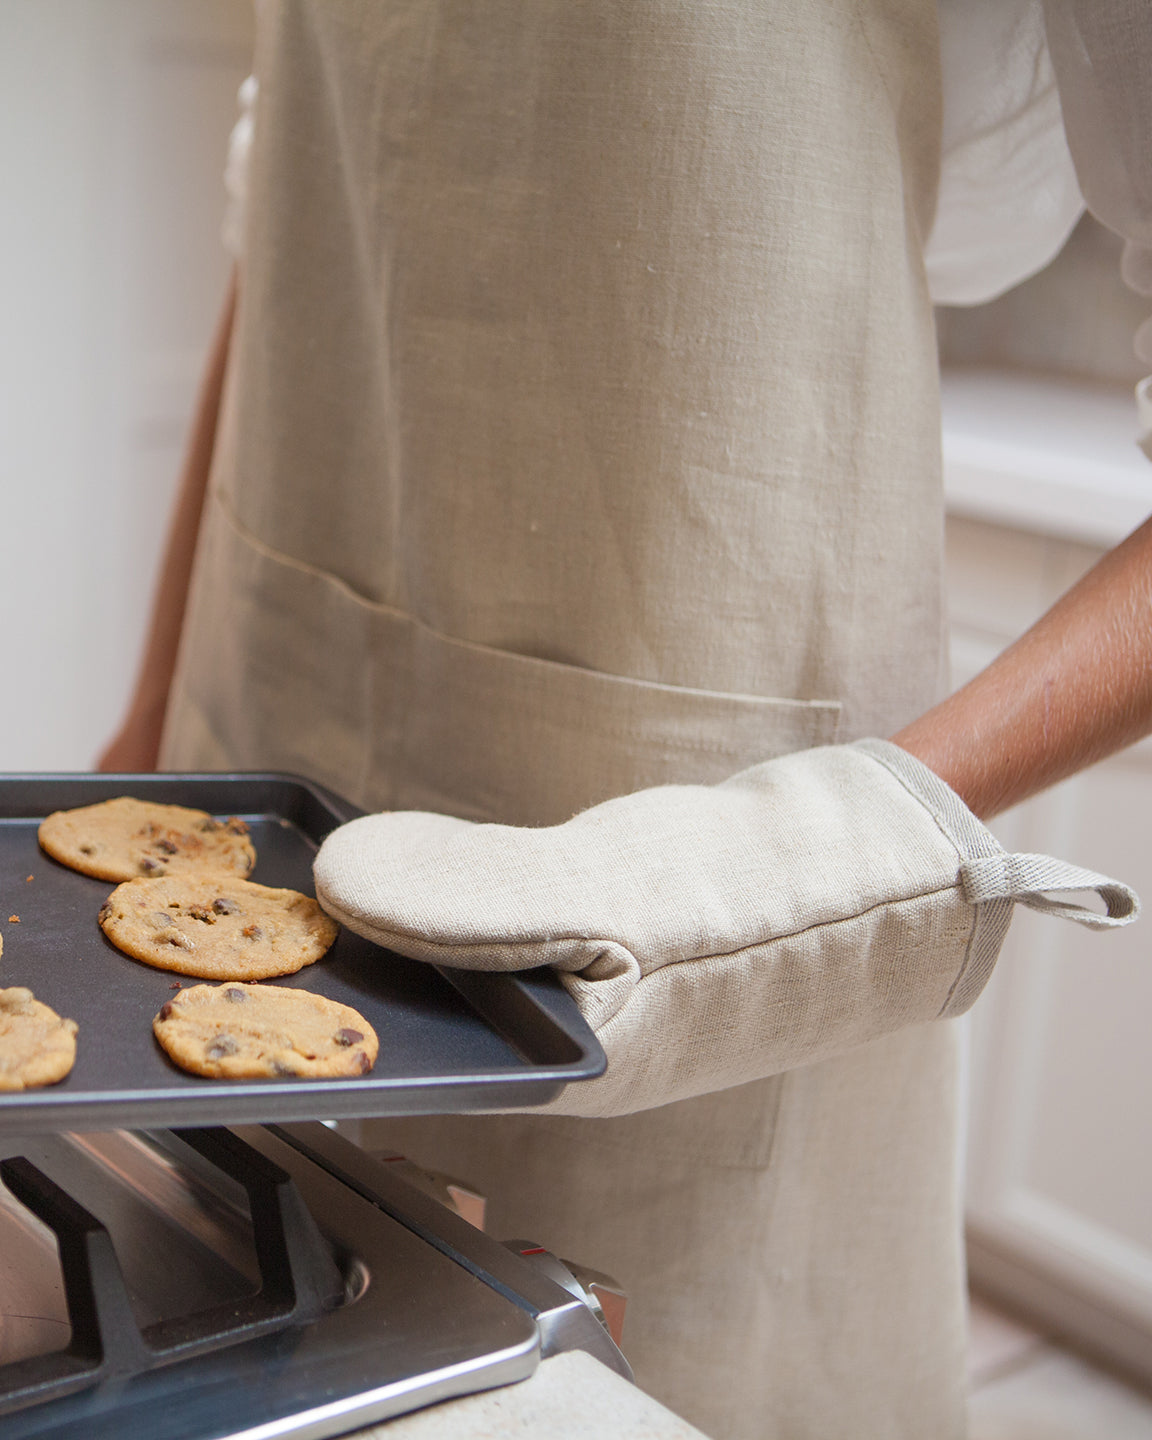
(437, 945)
(802, 707)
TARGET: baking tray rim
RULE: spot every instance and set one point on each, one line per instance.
(529, 1085)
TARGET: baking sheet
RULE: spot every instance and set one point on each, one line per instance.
(449, 1040)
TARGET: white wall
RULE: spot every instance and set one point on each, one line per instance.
(114, 116)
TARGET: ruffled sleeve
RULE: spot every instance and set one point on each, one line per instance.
(1008, 196)
(1102, 57)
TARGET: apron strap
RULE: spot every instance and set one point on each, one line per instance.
(1033, 880)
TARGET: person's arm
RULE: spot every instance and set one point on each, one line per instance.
(712, 935)
(1072, 690)
(1078, 685)
(136, 745)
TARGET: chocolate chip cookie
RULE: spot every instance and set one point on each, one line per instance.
(260, 1031)
(216, 928)
(122, 838)
(37, 1047)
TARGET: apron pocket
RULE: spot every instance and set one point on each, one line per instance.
(500, 736)
(285, 667)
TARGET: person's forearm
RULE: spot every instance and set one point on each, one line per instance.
(136, 746)
(1073, 689)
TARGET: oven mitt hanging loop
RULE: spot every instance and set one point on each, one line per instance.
(712, 935)
(1033, 880)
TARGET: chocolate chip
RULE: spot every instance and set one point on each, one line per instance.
(252, 932)
(161, 920)
(235, 994)
(148, 865)
(87, 849)
(363, 1063)
(209, 825)
(219, 1046)
(224, 907)
(106, 910)
(205, 915)
(236, 826)
(165, 1010)
(166, 847)
(281, 1067)
(348, 1037)
(180, 941)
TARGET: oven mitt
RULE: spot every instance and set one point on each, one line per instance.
(715, 934)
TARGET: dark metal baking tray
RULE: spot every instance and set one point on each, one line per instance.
(450, 1041)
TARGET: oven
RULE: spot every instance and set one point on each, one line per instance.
(257, 1281)
(182, 1257)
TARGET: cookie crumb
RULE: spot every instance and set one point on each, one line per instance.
(14, 919)
(28, 879)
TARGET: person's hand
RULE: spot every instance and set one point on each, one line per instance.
(712, 935)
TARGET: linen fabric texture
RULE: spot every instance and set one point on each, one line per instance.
(715, 935)
(581, 436)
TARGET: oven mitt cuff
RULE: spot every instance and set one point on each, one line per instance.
(993, 881)
(712, 935)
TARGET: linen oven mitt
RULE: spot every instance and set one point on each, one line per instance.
(712, 935)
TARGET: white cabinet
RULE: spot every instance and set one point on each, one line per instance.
(1059, 1160)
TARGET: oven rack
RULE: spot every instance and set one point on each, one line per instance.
(299, 1279)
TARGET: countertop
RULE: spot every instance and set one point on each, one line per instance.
(570, 1397)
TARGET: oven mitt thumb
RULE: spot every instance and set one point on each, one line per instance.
(712, 935)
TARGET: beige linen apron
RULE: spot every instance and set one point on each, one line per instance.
(582, 434)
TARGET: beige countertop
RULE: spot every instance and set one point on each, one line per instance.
(570, 1397)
